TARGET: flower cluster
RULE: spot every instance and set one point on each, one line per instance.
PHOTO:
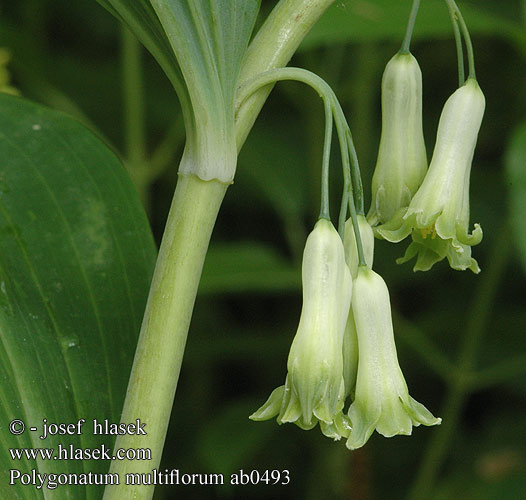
(344, 347)
(431, 206)
(437, 217)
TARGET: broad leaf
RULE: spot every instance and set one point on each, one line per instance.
(516, 171)
(142, 20)
(208, 40)
(76, 257)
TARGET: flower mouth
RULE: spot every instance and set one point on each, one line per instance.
(429, 231)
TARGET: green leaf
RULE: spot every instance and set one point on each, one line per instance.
(516, 172)
(378, 20)
(141, 18)
(76, 258)
(208, 40)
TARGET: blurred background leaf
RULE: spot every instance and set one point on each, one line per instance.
(384, 20)
(516, 171)
(238, 345)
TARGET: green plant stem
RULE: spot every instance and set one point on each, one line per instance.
(344, 135)
(324, 210)
(355, 175)
(501, 372)
(460, 386)
(159, 354)
(404, 49)
(429, 353)
(343, 210)
(134, 125)
(274, 45)
(458, 43)
(455, 11)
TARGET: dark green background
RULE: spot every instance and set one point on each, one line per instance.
(67, 56)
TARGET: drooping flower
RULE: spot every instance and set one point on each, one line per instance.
(382, 400)
(438, 216)
(314, 389)
(402, 161)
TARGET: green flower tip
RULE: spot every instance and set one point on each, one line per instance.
(437, 217)
(382, 400)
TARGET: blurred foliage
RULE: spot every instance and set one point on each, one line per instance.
(460, 337)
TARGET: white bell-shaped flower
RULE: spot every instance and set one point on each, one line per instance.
(402, 161)
(382, 400)
(314, 389)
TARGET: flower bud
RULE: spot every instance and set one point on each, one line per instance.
(382, 400)
(402, 162)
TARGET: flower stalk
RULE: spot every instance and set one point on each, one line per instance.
(404, 49)
(351, 170)
(273, 46)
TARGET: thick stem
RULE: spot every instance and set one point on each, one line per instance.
(157, 363)
(194, 210)
(273, 46)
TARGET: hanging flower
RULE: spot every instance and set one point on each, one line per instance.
(382, 400)
(438, 216)
(314, 389)
(402, 161)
